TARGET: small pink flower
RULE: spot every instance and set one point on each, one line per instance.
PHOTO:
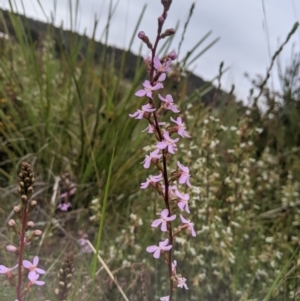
(169, 103)
(180, 127)
(187, 224)
(184, 174)
(33, 277)
(168, 143)
(163, 245)
(166, 298)
(148, 89)
(64, 206)
(164, 218)
(32, 267)
(6, 271)
(151, 158)
(85, 248)
(151, 180)
(172, 190)
(181, 282)
(183, 201)
(139, 114)
(161, 67)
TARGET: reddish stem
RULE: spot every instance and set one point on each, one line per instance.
(21, 251)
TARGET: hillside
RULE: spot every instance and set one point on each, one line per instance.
(36, 31)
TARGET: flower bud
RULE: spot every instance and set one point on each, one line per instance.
(172, 55)
(141, 35)
(17, 209)
(24, 198)
(37, 232)
(145, 39)
(161, 20)
(11, 249)
(168, 32)
(11, 223)
(166, 4)
(30, 224)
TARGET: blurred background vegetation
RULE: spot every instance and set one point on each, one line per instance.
(64, 105)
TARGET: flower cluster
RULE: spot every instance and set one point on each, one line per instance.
(25, 235)
(167, 137)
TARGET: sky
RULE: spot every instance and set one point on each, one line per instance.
(250, 31)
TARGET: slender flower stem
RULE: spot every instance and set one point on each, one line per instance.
(21, 251)
(165, 169)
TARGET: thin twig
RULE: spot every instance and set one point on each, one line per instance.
(107, 270)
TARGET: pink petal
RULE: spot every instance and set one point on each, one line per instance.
(27, 264)
(156, 253)
(157, 86)
(162, 77)
(40, 271)
(183, 179)
(140, 93)
(151, 249)
(171, 218)
(165, 213)
(181, 205)
(167, 248)
(147, 163)
(156, 62)
(35, 261)
(163, 227)
(161, 144)
(156, 223)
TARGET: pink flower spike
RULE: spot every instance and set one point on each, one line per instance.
(33, 277)
(32, 267)
(184, 174)
(161, 67)
(151, 180)
(166, 298)
(148, 89)
(183, 201)
(188, 225)
(180, 127)
(168, 143)
(6, 271)
(181, 282)
(169, 103)
(164, 218)
(151, 158)
(139, 114)
(157, 249)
